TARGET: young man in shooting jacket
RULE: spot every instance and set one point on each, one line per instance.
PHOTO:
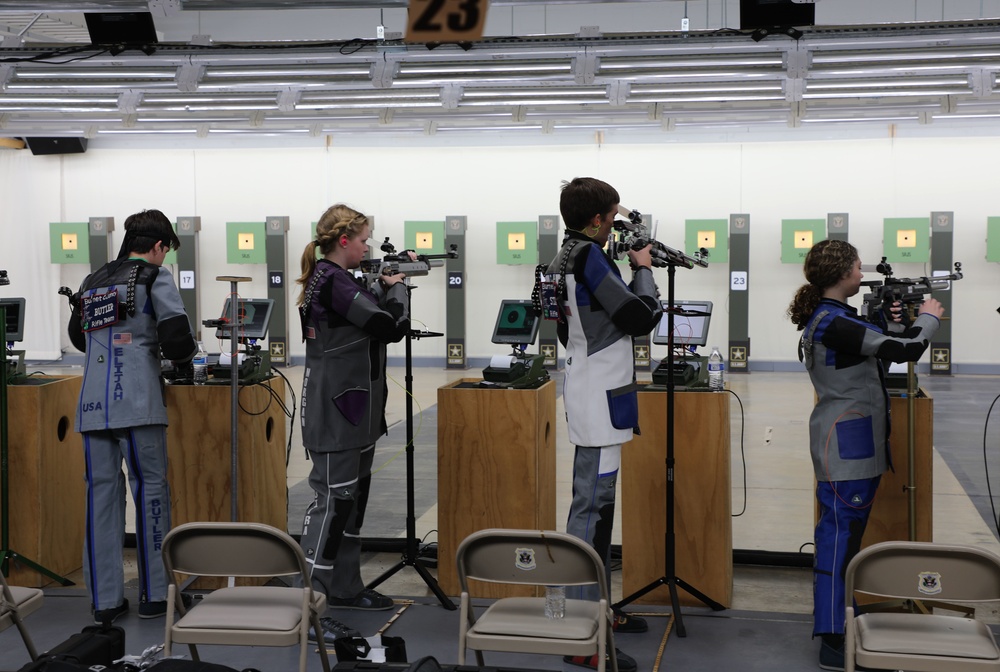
(128, 312)
(599, 316)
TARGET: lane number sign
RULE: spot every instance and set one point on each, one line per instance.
(446, 20)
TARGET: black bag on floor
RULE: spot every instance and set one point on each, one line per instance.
(94, 645)
(358, 648)
(185, 665)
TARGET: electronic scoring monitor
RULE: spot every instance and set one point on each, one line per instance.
(14, 311)
(517, 323)
(689, 329)
(254, 316)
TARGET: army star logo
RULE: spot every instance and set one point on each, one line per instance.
(277, 349)
(455, 350)
(940, 355)
(548, 351)
(738, 354)
(641, 352)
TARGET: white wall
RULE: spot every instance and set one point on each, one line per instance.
(868, 178)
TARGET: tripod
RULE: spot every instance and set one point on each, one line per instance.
(670, 578)
(410, 554)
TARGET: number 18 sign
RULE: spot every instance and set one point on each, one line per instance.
(446, 20)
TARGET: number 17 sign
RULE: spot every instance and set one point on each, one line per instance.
(446, 20)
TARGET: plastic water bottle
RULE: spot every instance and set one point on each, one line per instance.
(716, 371)
(200, 365)
(555, 601)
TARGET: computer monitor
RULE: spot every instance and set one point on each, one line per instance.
(254, 316)
(756, 14)
(517, 323)
(15, 318)
(688, 329)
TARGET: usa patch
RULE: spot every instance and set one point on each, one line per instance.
(124, 338)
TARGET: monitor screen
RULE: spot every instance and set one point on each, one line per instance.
(14, 311)
(756, 14)
(517, 323)
(691, 329)
(253, 315)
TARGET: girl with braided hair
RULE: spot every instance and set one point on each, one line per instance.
(849, 426)
(346, 326)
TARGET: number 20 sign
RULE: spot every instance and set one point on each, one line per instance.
(446, 20)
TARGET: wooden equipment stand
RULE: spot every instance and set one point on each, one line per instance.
(496, 468)
(47, 487)
(703, 523)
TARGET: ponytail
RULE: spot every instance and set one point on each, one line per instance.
(308, 265)
(804, 305)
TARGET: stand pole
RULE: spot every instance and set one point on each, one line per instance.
(670, 578)
(911, 428)
(410, 555)
(6, 553)
(234, 388)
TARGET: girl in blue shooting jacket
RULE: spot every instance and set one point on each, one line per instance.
(845, 356)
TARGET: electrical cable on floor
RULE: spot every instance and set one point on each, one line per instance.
(986, 465)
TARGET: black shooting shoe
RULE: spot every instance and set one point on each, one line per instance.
(367, 599)
(332, 630)
(627, 623)
(109, 616)
(626, 663)
(157, 609)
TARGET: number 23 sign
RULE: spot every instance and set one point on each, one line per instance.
(446, 20)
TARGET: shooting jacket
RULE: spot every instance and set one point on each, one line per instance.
(346, 328)
(128, 312)
(849, 426)
(601, 315)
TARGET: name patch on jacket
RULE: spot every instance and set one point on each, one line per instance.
(99, 310)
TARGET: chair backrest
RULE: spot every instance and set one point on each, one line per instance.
(924, 570)
(232, 549)
(536, 557)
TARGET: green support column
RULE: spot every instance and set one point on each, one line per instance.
(456, 355)
(548, 248)
(942, 250)
(187, 270)
(99, 240)
(837, 224)
(739, 293)
(276, 245)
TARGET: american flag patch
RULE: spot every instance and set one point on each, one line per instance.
(310, 332)
(122, 339)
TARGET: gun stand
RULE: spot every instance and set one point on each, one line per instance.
(234, 387)
(6, 552)
(670, 578)
(410, 554)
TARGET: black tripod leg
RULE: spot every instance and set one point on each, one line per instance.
(20, 559)
(639, 593)
(675, 604)
(386, 574)
(424, 574)
(709, 602)
(433, 585)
